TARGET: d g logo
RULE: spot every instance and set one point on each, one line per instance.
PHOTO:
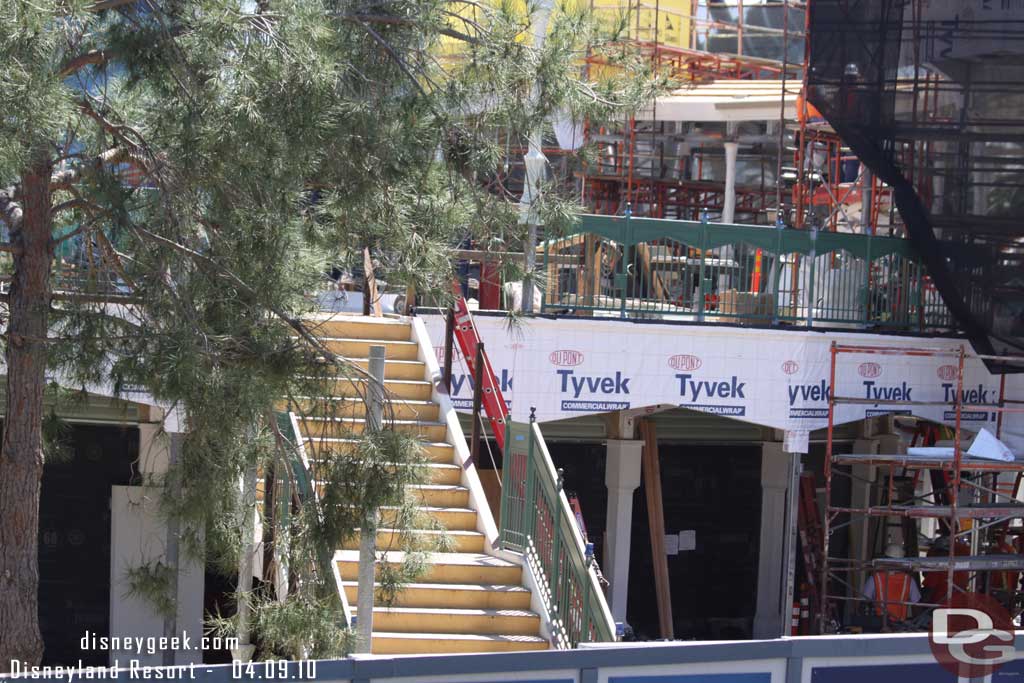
(973, 636)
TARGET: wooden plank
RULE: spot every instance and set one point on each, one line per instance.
(644, 252)
(656, 524)
(371, 285)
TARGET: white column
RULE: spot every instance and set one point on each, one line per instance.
(729, 202)
(622, 477)
(726, 279)
(141, 535)
(861, 487)
(777, 473)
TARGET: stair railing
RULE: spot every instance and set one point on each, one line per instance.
(307, 495)
(537, 521)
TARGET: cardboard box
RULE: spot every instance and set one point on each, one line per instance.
(746, 304)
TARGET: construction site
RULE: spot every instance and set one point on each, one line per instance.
(769, 384)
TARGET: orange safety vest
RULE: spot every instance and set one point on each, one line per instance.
(893, 586)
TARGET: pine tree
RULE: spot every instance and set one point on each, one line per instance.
(176, 176)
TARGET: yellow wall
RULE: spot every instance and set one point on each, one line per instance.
(672, 18)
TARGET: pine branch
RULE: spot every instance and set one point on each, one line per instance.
(91, 58)
(120, 132)
(101, 5)
(61, 180)
(400, 21)
(394, 56)
(114, 258)
(291, 321)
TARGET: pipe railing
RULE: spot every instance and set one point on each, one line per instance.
(537, 521)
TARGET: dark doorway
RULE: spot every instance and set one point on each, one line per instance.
(74, 538)
(712, 490)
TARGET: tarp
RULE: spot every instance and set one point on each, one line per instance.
(777, 378)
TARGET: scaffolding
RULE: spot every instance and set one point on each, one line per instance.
(928, 96)
(963, 494)
(793, 168)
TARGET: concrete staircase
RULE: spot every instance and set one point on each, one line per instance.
(470, 599)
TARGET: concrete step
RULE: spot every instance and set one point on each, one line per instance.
(397, 369)
(427, 411)
(443, 567)
(441, 495)
(338, 325)
(430, 495)
(452, 519)
(459, 541)
(448, 620)
(316, 427)
(360, 348)
(436, 451)
(433, 643)
(453, 595)
(403, 389)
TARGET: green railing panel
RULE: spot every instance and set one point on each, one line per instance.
(536, 520)
(308, 496)
(709, 272)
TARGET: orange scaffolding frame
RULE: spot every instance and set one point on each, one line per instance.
(962, 472)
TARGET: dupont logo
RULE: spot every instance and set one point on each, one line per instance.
(972, 636)
(790, 367)
(869, 370)
(566, 357)
(439, 352)
(946, 372)
(685, 362)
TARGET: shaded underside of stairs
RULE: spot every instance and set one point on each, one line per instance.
(955, 173)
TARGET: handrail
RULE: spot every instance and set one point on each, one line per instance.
(307, 493)
(630, 230)
(537, 521)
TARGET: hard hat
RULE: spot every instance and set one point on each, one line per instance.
(894, 551)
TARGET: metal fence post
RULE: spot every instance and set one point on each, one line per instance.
(867, 283)
(624, 265)
(703, 259)
(529, 508)
(449, 341)
(506, 483)
(368, 532)
(920, 297)
(478, 393)
(810, 281)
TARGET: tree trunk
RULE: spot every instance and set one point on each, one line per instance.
(21, 454)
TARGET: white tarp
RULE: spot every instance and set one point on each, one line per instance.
(570, 367)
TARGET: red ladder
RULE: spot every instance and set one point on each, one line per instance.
(468, 338)
(811, 541)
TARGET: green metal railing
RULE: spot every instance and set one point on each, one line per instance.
(536, 520)
(306, 493)
(627, 267)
